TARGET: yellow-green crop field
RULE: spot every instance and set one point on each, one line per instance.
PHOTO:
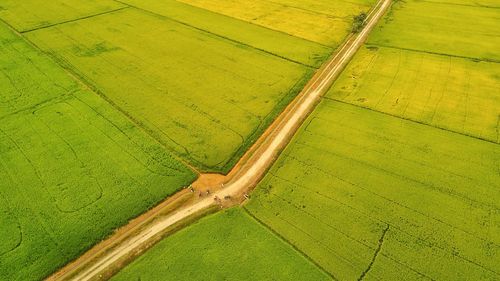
(363, 192)
(433, 63)
(448, 92)
(202, 96)
(254, 36)
(395, 176)
(441, 28)
(234, 247)
(100, 100)
(28, 15)
(472, 3)
(204, 84)
(325, 22)
(72, 169)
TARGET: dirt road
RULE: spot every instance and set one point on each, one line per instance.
(256, 165)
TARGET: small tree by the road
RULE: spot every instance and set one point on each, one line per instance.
(359, 22)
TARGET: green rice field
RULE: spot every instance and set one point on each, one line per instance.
(72, 168)
(205, 97)
(325, 22)
(448, 78)
(254, 36)
(221, 77)
(366, 194)
(28, 15)
(473, 3)
(469, 31)
(447, 92)
(108, 107)
(99, 98)
(395, 175)
(229, 245)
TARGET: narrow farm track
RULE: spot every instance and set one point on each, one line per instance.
(245, 175)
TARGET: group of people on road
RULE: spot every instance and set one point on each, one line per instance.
(216, 198)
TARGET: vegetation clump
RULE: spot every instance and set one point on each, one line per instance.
(359, 22)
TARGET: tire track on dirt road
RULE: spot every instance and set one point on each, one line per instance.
(247, 173)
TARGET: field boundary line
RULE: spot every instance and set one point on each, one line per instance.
(459, 4)
(73, 20)
(489, 60)
(306, 10)
(414, 121)
(282, 238)
(42, 104)
(496, 128)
